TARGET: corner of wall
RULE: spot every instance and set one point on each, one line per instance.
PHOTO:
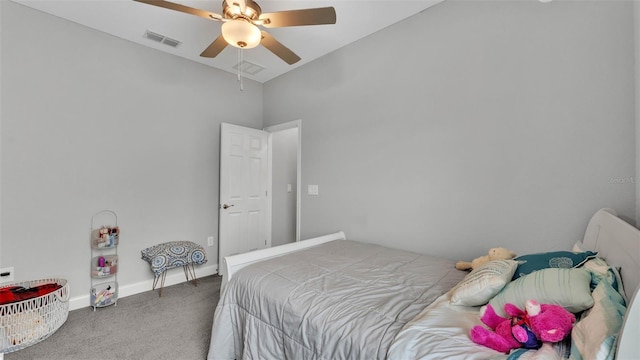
(636, 22)
(0, 141)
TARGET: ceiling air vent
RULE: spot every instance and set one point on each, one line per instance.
(248, 67)
(161, 39)
(171, 42)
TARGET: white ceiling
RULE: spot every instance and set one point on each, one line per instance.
(130, 20)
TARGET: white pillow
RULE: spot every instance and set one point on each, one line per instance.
(481, 284)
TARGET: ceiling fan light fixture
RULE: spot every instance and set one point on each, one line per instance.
(241, 34)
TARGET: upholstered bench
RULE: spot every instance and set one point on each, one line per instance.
(169, 255)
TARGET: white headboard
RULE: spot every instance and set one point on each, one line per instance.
(619, 244)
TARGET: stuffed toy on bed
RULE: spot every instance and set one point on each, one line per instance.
(498, 253)
(505, 334)
(537, 324)
(549, 322)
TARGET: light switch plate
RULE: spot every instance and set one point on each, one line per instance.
(312, 190)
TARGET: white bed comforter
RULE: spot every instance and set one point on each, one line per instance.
(339, 300)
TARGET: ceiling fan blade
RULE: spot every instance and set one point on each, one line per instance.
(215, 48)
(182, 8)
(317, 16)
(277, 48)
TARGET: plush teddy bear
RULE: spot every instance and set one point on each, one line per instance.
(549, 322)
(498, 253)
(506, 333)
(538, 324)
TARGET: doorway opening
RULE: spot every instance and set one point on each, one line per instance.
(285, 170)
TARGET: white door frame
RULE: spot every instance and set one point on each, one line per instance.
(275, 128)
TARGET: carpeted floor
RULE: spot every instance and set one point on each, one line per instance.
(176, 326)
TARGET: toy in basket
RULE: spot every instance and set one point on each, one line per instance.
(31, 311)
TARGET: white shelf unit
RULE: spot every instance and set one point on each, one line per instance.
(105, 237)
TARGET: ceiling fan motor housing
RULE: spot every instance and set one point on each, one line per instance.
(251, 12)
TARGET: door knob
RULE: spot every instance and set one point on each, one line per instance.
(225, 206)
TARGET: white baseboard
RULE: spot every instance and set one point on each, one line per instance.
(174, 277)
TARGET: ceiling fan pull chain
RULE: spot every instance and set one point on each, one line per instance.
(240, 63)
(240, 69)
(239, 50)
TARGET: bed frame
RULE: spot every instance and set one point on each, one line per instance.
(619, 243)
(613, 238)
(234, 263)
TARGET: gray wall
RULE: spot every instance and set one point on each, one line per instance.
(284, 150)
(92, 122)
(636, 20)
(1, 265)
(471, 125)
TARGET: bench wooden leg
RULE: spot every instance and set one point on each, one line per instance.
(189, 270)
(155, 283)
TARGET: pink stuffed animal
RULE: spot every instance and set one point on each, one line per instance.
(538, 323)
(506, 333)
(549, 322)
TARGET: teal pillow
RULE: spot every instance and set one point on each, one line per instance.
(555, 259)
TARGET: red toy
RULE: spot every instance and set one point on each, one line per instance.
(10, 294)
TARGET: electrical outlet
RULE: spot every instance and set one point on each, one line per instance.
(210, 240)
(6, 274)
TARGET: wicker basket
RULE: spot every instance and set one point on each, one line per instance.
(30, 321)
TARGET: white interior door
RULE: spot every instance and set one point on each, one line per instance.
(243, 214)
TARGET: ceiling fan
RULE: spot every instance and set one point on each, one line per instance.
(241, 19)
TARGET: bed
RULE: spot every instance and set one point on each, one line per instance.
(332, 298)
